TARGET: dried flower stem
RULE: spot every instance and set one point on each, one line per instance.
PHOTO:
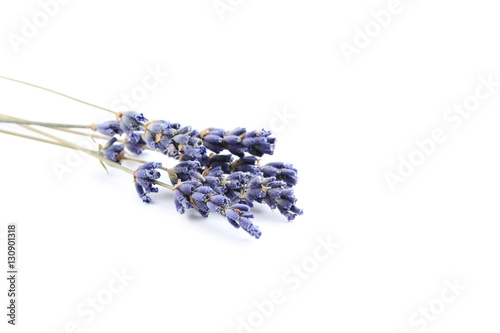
(58, 93)
(63, 128)
(92, 135)
(39, 123)
(55, 143)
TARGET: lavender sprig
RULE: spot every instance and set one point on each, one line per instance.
(207, 183)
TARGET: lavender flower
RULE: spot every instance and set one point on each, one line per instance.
(243, 187)
(239, 215)
(235, 183)
(282, 171)
(131, 121)
(246, 164)
(143, 178)
(113, 151)
(219, 160)
(136, 144)
(239, 141)
(192, 194)
(135, 138)
(174, 141)
(108, 128)
(281, 197)
(181, 171)
(213, 178)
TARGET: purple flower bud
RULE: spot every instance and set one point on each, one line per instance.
(214, 139)
(191, 194)
(113, 151)
(246, 164)
(237, 131)
(142, 193)
(205, 190)
(232, 139)
(195, 175)
(109, 128)
(131, 121)
(181, 202)
(238, 141)
(219, 200)
(197, 196)
(249, 227)
(136, 144)
(144, 177)
(181, 171)
(282, 171)
(222, 161)
(187, 188)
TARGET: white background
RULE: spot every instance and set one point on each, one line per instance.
(350, 123)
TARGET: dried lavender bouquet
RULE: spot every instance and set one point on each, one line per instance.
(218, 171)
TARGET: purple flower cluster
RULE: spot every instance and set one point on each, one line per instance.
(241, 187)
(185, 143)
(172, 140)
(239, 141)
(144, 178)
(135, 144)
(131, 121)
(207, 182)
(247, 188)
(181, 171)
(193, 195)
(113, 151)
(282, 171)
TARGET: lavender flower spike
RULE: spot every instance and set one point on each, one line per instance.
(143, 178)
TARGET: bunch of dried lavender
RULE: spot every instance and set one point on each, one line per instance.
(204, 179)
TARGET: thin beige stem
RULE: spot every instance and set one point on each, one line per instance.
(40, 123)
(58, 93)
